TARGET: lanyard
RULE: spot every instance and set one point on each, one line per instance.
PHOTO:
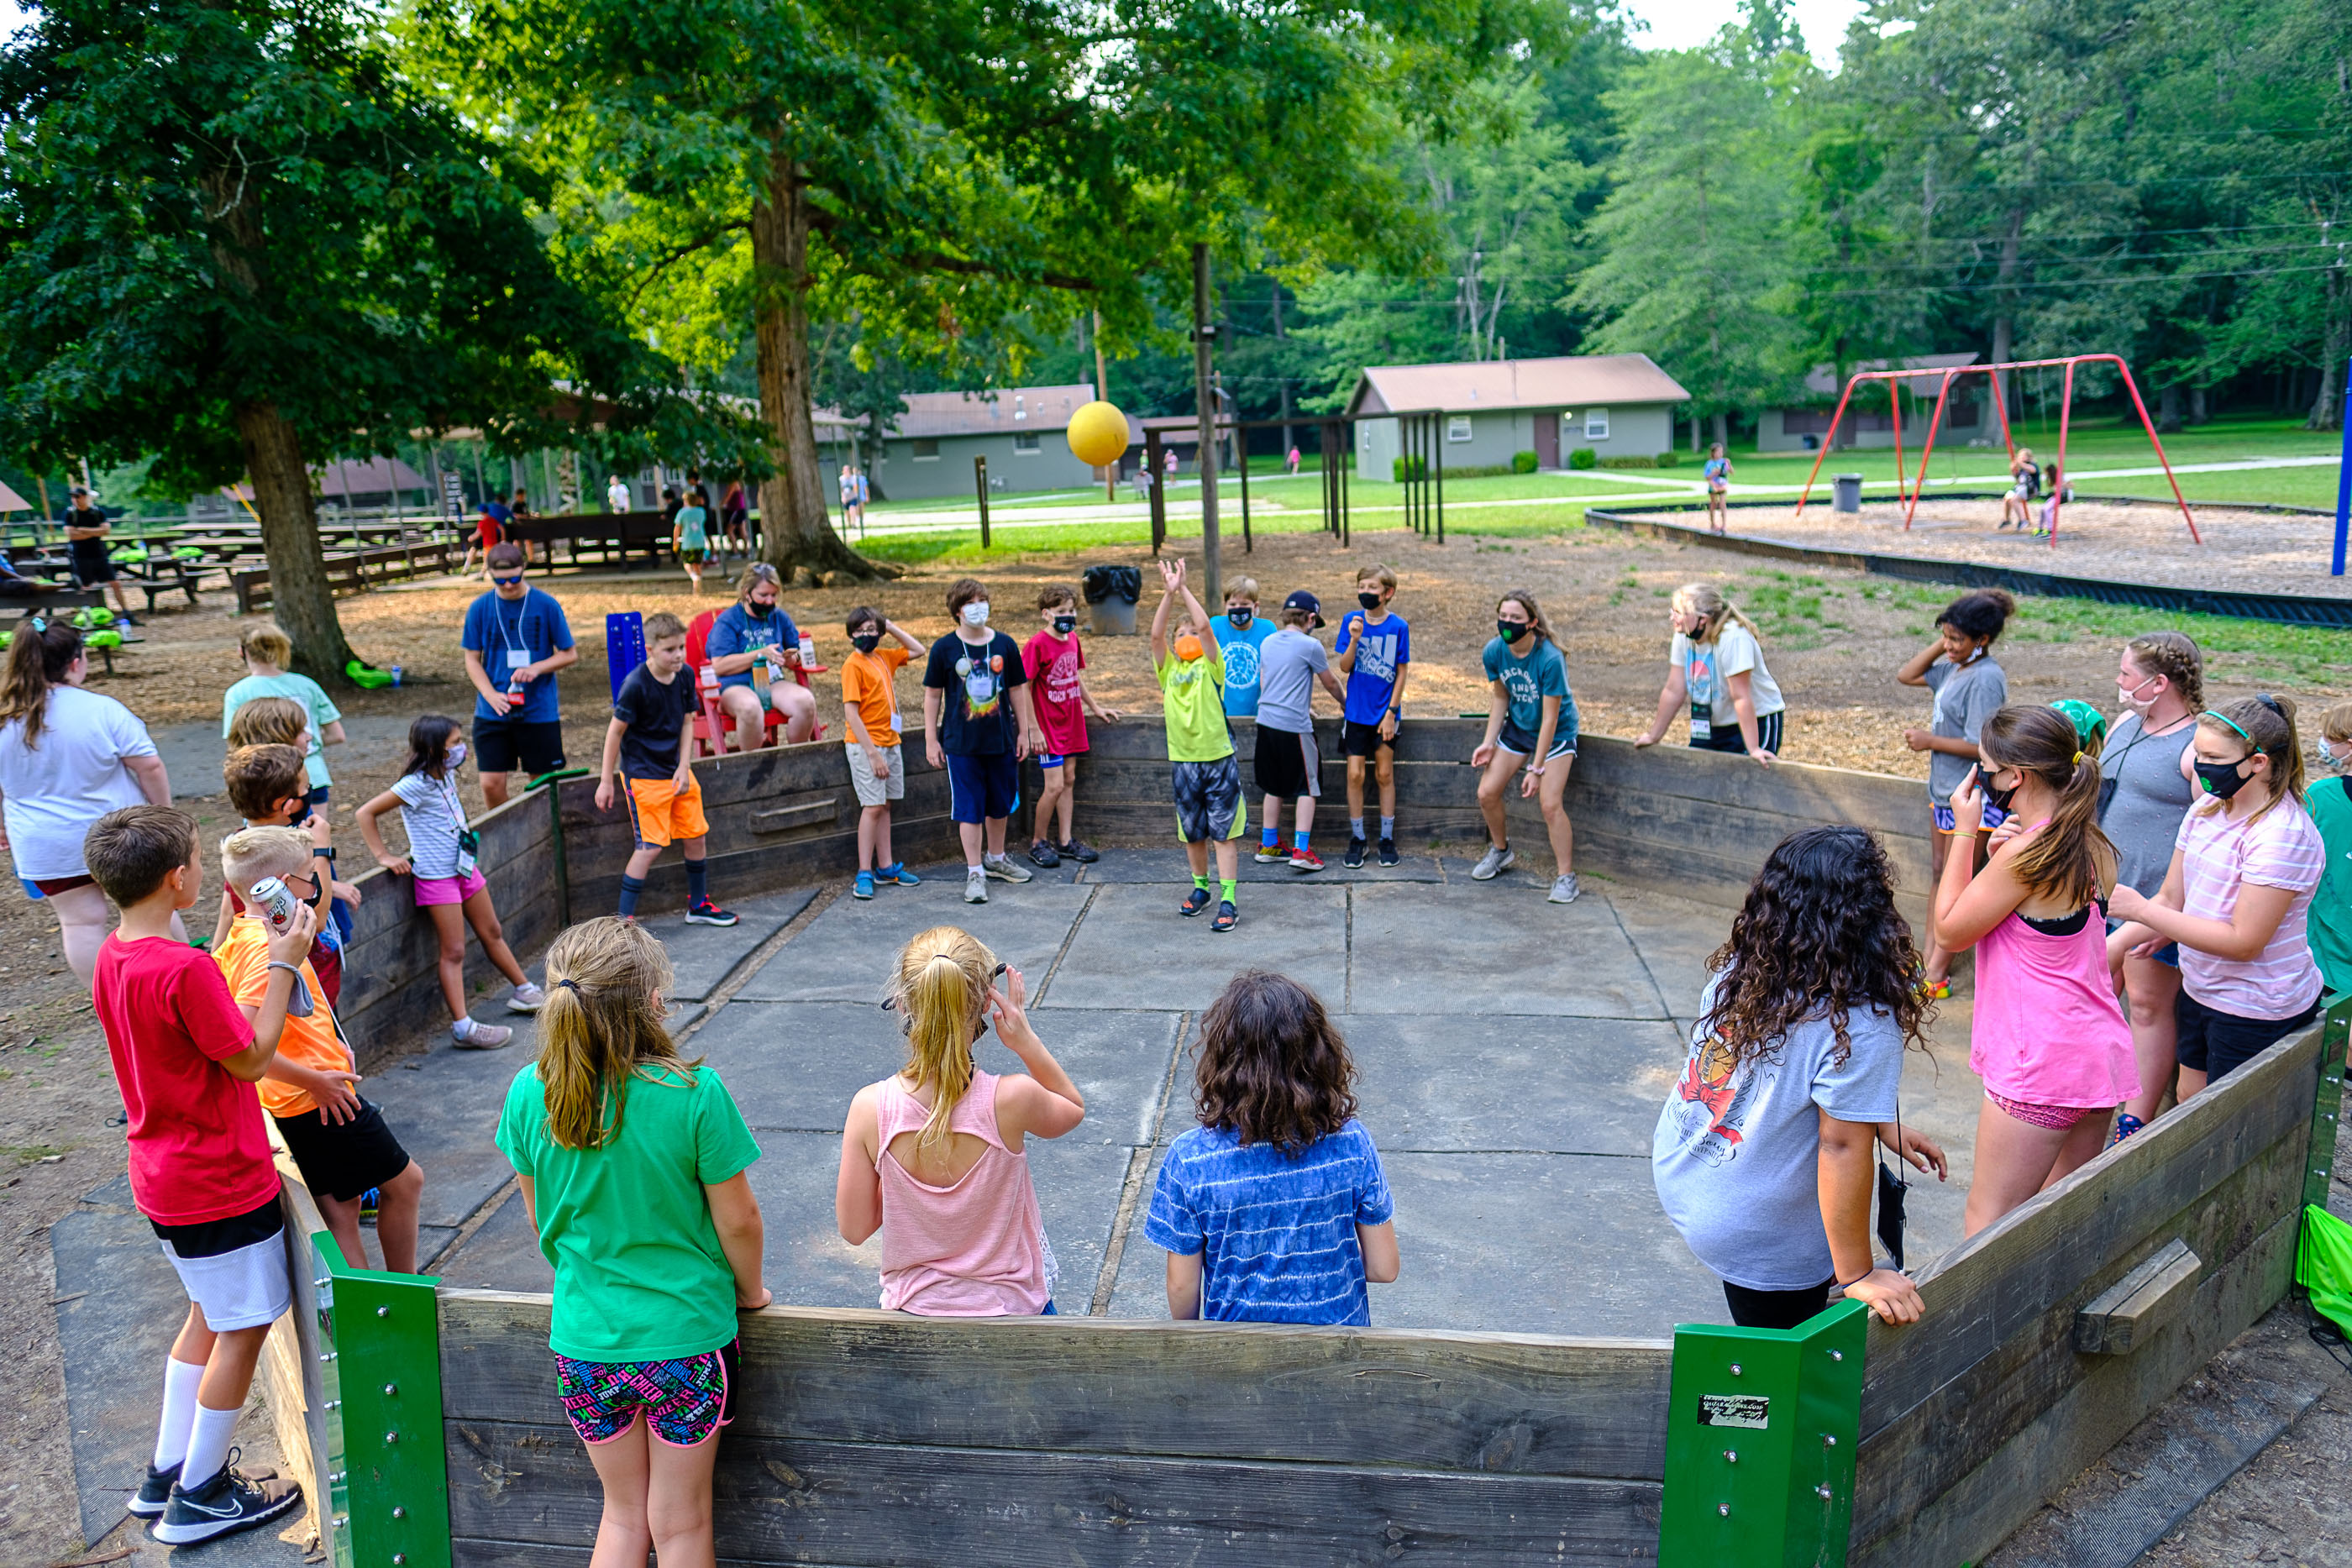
(509, 636)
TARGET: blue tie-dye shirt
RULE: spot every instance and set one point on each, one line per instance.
(1277, 1234)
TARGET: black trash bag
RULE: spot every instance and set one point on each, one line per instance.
(1107, 583)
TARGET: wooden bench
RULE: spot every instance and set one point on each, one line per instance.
(355, 571)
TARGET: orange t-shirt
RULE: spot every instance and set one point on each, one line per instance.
(866, 681)
(314, 1041)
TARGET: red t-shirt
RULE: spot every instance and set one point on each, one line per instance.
(197, 1149)
(1053, 664)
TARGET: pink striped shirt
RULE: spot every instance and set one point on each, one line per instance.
(975, 1249)
(2280, 848)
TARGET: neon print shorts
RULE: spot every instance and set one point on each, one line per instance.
(2051, 1118)
(683, 1401)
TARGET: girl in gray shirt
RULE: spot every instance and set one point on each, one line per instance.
(1970, 687)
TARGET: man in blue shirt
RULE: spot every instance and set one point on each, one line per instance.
(755, 621)
(516, 638)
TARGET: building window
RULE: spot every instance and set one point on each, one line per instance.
(1024, 443)
(1596, 425)
(926, 451)
(1457, 427)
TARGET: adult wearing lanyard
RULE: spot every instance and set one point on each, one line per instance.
(753, 625)
(516, 638)
(2144, 792)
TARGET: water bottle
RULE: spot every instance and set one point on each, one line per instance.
(395, 676)
(808, 652)
(760, 676)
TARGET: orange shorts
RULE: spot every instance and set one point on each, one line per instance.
(663, 813)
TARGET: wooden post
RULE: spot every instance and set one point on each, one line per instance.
(1157, 489)
(1439, 479)
(1102, 393)
(980, 476)
(1204, 402)
(1241, 451)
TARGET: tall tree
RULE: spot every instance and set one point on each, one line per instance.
(236, 239)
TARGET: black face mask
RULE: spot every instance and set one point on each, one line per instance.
(1511, 631)
(2221, 779)
(755, 610)
(1065, 625)
(1368, 600)
(1998, 800)
(867, 641)
(1242, 616)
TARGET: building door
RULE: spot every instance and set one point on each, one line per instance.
(1546, 426)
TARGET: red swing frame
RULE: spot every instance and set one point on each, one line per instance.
(1907, 490)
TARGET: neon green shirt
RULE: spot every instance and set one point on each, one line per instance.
(2329, 922)
(1192, 700)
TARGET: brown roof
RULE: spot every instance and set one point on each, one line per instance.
(1822, 379)
(992, 413)
(1571, 380)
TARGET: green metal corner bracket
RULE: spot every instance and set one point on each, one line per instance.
(1762, 1430)
(2335, 1030)
(387, 1477)
(554, 781)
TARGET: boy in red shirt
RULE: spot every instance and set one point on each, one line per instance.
(183, 1054)
(1056, 665)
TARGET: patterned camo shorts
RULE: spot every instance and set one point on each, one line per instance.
(683, 1401)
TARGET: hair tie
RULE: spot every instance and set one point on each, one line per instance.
(571, 985)
(2270, 703)
(39, 624)
(2078, 757)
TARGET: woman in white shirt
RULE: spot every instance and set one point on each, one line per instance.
(1716, 667)
(68, 757)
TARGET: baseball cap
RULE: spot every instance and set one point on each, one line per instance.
(1301, 600)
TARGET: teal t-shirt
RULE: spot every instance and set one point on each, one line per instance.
(298, 689)
(639, 1273)
(2330, 922)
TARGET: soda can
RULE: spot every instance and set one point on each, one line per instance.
(275, 904)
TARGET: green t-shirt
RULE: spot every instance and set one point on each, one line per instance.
(639, 1273)
(1192, 693)
(2329, 923)
(301, 689)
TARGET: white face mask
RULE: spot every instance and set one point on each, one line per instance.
(976, 612)
(2339, 761)
(457, 755)
(2138, 698)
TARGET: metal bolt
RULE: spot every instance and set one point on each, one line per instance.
(1837, 1355)
(391, 1389)
(400, 1557)
(1829, 1439)
(320, 1284)
(1730, 1456)
(332, 1405)
(1724, 1509)
(341, 1521)
(384, 1311)
(392, 1436)
(398, 1512)
(339, 1476)
(1735, 1369)
(327, 1355)
(1823, 1493)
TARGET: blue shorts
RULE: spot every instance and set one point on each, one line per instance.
(2168, 954)
(1051, 759)
(983, 788)
(1947, 824)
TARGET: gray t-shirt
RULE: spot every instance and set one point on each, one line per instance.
(1736, 1151)
(1965, 697)
(2143, 815)
(1288, 663)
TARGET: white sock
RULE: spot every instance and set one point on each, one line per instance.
(181, 1379)
(208, 1442)
(463, 1028)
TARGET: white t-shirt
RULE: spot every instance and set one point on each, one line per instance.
(2282, 848)
(430, 811)
(54, 793)
(1707, 671)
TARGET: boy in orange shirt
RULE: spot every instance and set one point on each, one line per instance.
(339, 1141)
(876, 764)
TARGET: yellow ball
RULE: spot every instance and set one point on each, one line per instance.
(1098, 435)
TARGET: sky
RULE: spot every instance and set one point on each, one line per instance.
(1685, 24)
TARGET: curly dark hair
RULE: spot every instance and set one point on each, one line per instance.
(1273, 1068)
(1819, 937)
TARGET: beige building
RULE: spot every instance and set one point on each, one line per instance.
(1618, 405)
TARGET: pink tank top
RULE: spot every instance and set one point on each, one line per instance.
(975, 1249)
(2047, 1029)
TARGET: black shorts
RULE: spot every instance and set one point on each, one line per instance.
(510, 746)
(1362, 739)
(90, 563)
(1727, 736)
(1287, 764)
(2218, 1044)
(1752, 1309)
(346, 1160)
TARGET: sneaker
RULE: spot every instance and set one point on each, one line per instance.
(864, 886)
(470, 1035)
(975, 886)
(709, 914)
(1387, 852)
(1304, 859)
(1564, 889)
(526, 999)
(1078, 849)
(1354, 859)
(1493, 863)
(898, 874)
(1936, 990)
(1004, 868)
(1270, 854)
(1227, 918)
(1044, 854)
(2126, 1125)
(154, 1494)
(1194, 902)
(225, 1505)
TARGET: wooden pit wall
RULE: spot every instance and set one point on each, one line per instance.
(865, 1437)
(1973, 1420)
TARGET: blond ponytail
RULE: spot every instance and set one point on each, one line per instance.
(940, 988)
(601, 1026)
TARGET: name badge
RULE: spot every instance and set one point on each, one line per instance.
(895, 725)
(517, 657)
(1702, 721)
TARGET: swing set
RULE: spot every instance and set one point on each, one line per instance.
(1907, 489)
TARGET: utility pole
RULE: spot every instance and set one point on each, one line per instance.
(1102, 394)
(1204, 396)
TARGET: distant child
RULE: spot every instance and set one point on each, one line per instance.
(633, 1166)
(1717, 475)
(2046, 521)
(1239, 640)
(267, 787)
(272, 721)
(933, 1156)
(268, 652)
(1969, 688)
(877, 764)
(1531, 729)
(978, 723)
(646, 745)
(1374, 649)
(689, 537)
(1274, 1208)
(448, 888)
(183, 1054)
(339, 1141)
(2238, 896)
(2330, 804)
(1056, 665)
(1204, 776)
(2024, 484)
(2046, 1035)
(1288, 765)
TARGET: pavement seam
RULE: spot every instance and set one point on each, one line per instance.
(483, 1214)
(1139, 1165)
(1347, 955)
(1641, 958)
(751, 963)
(1093, 890)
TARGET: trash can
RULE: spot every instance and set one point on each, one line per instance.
(1846, 493)
(1110, 594)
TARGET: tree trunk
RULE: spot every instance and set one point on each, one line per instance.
(2198, 411)
(1723, 428)
(2325, 412)
(796, 526)
(300, 601)
(2167, 410)
(2004, 325)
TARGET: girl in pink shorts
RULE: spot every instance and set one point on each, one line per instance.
(2048, 1040)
